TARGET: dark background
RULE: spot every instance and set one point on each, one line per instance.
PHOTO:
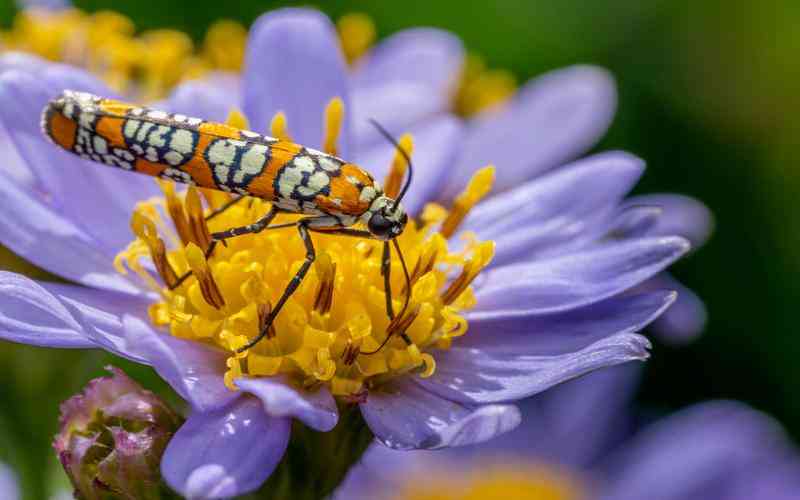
(707, 98)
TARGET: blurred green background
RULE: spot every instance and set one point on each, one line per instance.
(708, 96)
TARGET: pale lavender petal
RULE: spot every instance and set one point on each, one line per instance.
(194, 370)
(556, 210)
(316, 409)
(685, 320)
(404, 416)
(435, 146)
(209, 98)
(294, 64)
(489, 376)
(427, 56)
(66, 183)
(565, 331)
(681, 216)
(407, 77)
(225, 453)
(700, 449)
(553, 119)
(69, 251)
(574, 280)
(634, 221)
(31, 315)
(9, 488)
(396, 106)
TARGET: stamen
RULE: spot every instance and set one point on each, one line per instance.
(356, 33)
(176, 212)
(237, 119)
(145, 229)
(326, 272)
(208, 286)
(197, 221)
(427, 259)
(478, 187)
(394, 180)
(278, 127)
(482, 256)
(334, 115)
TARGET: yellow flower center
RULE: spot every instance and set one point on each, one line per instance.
(332, 328)
(495, 482)
(146, 65)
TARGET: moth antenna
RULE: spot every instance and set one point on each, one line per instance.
(403, 152)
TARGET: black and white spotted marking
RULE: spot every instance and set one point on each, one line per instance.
(234, 163)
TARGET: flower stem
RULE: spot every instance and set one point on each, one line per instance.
(315, 462)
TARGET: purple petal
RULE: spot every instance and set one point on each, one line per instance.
(553, 119)
(563, 283)
(29, 314)
(210, 98)
(556, 210)
(634, 221)
(489, 376)
(44, 237)
(225, 453)
(396, 106)
(404, 416)
(685, 320)
(427, 56)
(9, 489)
(316, 409)
(293, 64)
(701, 449)
(681, 216)
(66, 183)
(407, 77)
(193, 369)
(435, 146)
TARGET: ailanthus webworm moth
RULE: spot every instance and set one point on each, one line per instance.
(333, 194)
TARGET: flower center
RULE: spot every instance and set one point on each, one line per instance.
(146, 65)
(502, 481)
(332, 328)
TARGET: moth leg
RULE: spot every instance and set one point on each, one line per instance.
(311, 255)
(224, 207)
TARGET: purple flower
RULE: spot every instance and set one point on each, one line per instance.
(579, 442)
(9, 488)
(559, 299)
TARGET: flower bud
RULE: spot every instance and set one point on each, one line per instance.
(111, 439)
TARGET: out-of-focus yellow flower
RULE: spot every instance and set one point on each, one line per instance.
(143, 65)
(495, 482)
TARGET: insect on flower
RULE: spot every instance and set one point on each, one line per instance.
(333, 194)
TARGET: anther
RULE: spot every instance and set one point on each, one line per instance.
(393, 181)
(482, 256)
(176, 212)
(208, 286)
(334, 115)
(263, 316)
(145, 229)
(356, 33)
(326, 273)
(237, 119)
(278, 127)
(478, 187)
(197, 221)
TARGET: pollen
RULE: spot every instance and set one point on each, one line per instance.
(356, 35)
(279, 128)
(480, 88)
(334, 330)
(478, 187)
